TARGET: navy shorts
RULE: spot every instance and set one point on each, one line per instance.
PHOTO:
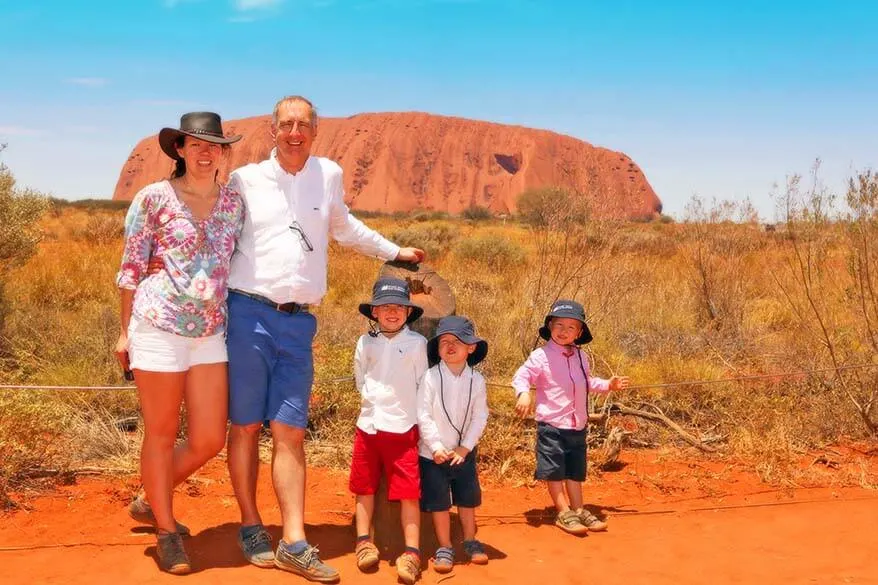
(445, 485)
(271, 366)
(560, 453)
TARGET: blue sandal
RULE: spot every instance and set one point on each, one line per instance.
(475, 551)
(443, 560)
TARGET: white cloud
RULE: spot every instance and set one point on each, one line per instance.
(245, 5)
(19, 131)
(175, 3)
(88, 81)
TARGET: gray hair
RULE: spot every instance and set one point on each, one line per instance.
(292, 99)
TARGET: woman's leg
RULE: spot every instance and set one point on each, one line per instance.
(207, 407)
(160, 397)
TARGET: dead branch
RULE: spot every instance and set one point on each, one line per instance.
(661, 418)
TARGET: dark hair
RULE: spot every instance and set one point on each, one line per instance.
(180, 164)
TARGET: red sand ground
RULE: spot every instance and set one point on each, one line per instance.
(672, 522)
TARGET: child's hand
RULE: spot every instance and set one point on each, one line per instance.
(440, 456)
(619, 383)
(458, 455)
(522, 406)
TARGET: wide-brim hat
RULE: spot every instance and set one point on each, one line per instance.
(391, 291)
(565, 308)
(205, 126)
(463, 329)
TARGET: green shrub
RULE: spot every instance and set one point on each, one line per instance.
(477, 213)
(491, 250)
(434, 237)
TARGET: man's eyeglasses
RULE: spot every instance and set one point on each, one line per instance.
(303, 238)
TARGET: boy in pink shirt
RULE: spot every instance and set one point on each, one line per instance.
(561, 375)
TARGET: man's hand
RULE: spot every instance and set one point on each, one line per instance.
(413, 255)
(440, 456)
(458, 454)
(619, 383)
(155, 265)
(522, 406)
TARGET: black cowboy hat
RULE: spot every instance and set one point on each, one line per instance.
(462, 328)
(570, 310)
(205, 126)
(391, 291)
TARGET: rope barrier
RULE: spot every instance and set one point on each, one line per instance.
(748, 378)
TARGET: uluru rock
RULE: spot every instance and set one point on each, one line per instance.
(408, 161)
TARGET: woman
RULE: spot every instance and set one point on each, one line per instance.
(173, 320)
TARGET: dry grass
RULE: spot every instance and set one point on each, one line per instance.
(668, 302)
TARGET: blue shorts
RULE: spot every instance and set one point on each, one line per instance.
(560, 453)
(444, 485)
(271, 365)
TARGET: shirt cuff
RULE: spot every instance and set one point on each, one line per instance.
(468, 445)
(520, 390)
(436, 446)
(388, 250)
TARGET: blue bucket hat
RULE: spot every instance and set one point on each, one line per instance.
(463, 329)
(571, 310)
(391, 291)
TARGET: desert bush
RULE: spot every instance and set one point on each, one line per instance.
(477, 213)
(492, 250)
(434, 237)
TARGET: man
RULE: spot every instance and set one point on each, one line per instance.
(294, 204)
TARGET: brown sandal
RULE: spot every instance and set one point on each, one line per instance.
(408, 568)
(367, 555)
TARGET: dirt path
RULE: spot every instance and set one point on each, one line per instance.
(670, 524)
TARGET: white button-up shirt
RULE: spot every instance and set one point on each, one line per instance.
(285, 264)
(388, 372)
(446, 406)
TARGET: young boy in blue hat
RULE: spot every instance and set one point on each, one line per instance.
(561, 374)
(388, 365)
(452, 415)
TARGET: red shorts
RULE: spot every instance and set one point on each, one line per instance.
(394, 454)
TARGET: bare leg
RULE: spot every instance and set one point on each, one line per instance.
(207, 407)
(574, 492)
(559, 498)
(410, 516)
(243, 455)
(442, 524)
(365, 511)
(288, 474)
(161, 395)
(467, 522)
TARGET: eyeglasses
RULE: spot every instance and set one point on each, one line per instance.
(289, 126)
(303, 238)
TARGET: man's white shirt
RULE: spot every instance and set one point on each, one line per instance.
(284, 264)
(444, 396)
(388, 372)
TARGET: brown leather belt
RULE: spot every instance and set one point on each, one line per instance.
(291, 308)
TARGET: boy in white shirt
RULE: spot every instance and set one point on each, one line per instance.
(388, 365)
(452, 415)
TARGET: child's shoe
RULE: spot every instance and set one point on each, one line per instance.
(570, 523)
(367, 555)
(590, 521)
(408, 568)
(443, 560)
(475, 551)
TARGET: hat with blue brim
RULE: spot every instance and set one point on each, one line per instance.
(565, 308)
(463, 329)
(391, 291)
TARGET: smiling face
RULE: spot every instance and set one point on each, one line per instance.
(294, 129)
(391, 318)
(453, 351)
(202, 158)
(564, 330)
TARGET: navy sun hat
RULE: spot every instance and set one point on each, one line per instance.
(462, 328)
(571, 310)
(391, 291)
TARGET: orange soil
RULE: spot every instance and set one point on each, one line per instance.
(672, 522)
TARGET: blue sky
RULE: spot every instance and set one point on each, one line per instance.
(719, 99)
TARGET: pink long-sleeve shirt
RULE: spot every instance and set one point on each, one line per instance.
(561, 385)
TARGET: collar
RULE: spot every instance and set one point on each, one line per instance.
(565, 350)
(402, 334)
(279, 170)
(452, 374)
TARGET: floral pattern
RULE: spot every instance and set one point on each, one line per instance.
(188, 297)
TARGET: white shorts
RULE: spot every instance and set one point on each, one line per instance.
(154, 350)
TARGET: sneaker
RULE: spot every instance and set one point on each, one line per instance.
(256, 547)
(367, 555)
(141, 511)
(590, 521)
(172, 555)
(443, 560)
(570, 523)
(408, 568)
(475, 551)
(306, 564)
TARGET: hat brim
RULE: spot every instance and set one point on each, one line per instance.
(168, 136)
(472, 359)
(366, 309)
(584, 337)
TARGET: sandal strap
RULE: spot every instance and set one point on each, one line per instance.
(444, 553)
(569, 518)
(473, 547)
(365, 548)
